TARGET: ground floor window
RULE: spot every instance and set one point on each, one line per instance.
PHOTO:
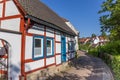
(71, 46)
(50, 46)
(38, 47)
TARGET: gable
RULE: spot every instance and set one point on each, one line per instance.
(11, 8)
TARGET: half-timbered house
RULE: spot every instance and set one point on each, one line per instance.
(32, 38)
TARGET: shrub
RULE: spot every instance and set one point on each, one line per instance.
(93, 51)
(84, 47)
(111, 48)
(116, 67)
(110, 53)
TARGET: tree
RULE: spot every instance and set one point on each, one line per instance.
(93, 35)
(110, 20)
(104, 35)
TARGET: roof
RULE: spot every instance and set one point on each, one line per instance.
(40, 11)
(71, 26)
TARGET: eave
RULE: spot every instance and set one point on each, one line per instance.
(39, 21)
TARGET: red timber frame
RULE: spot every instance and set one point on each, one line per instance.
(22, 29)
(24, 26)
(30, 60)
(5, 57)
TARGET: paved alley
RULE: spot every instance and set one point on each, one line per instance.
(85, 68)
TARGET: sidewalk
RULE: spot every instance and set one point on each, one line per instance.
(85, 68)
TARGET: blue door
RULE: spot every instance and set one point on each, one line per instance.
(63, 49)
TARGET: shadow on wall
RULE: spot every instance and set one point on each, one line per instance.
(15, 70)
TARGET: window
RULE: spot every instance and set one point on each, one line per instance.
(71, 46)
(50, 46)
(37, 47)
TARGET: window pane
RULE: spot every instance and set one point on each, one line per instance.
(37, 51)
(49, 47)
(48, 43)
(37, 42)
(69, 45)
(38, 47)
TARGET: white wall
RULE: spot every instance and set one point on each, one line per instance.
(1, 8)
(66, 47)
(58, 39)
(15, 53)
(49, 32)
(11, 8)
(58, 36)
(68, 38)
(72, 27)
(50, 60)
(34, 31)
(58, 59)
(28, 47)
(28, 55)
(1, 45)
(58, 47)
(66, 44)
(34, 65)
(76, 46)
(11, 24)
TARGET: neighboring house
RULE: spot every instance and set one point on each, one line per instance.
(32, 38)
(84, 40)
(95, 41)
(103, 40)
(98, 40)
(76, 32)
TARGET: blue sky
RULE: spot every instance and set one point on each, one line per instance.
(83, 14)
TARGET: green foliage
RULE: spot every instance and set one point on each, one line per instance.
(110, 20)
(76, 55)
(93, 35)
(111, 48)
(104, 35)
(84, 47)
(110, 53)
(113, 62)
(93, 51)
(116, 67)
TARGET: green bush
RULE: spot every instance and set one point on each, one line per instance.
(113, 63)
(116, 67)
(84, 47)
(111, 48)
(93, 51)
(110, 53)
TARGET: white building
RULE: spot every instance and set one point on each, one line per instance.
(32, 38)
(76, 32)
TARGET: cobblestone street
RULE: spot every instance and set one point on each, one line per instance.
(85, 68)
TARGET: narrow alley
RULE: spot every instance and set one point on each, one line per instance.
(85, 67)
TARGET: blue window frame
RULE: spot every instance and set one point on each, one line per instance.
(49, 47)
(38, 48)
